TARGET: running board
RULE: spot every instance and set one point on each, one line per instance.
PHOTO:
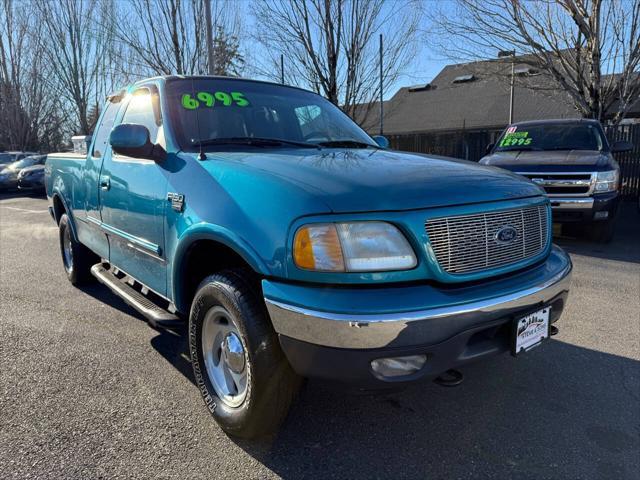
(156, 315)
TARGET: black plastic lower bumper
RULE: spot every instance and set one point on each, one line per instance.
(602, 202)
(352, 367)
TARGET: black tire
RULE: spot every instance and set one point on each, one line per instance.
(78, 264)
(271, 384)
(602, 232)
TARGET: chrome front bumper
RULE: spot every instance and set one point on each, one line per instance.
(421, 327)
(568, 203)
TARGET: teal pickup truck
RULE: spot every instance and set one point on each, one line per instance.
(298, 246)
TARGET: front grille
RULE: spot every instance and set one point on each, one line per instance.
(554, 184)
(566, 190)
(467, 243)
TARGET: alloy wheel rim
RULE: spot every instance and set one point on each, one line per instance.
(66, 250)
(224, 357)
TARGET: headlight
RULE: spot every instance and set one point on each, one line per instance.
(352, 247)
(607, 181)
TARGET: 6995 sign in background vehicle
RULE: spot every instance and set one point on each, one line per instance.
(298, 246)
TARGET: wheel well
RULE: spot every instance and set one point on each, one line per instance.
(203, 258)
(58, 208)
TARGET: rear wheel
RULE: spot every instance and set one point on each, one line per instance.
(76, 258)
(243, 375)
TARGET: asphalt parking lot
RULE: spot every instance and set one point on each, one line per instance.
(89, 390)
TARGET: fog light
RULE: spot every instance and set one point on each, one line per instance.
(398, 366)
(600, 215)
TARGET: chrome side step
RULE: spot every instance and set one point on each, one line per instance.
(156, 315)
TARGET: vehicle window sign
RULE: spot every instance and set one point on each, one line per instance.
(206, 99)
(516, 138)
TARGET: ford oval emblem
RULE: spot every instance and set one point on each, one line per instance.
(506, 235)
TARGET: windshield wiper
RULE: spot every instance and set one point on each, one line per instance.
(568, 148)
(517, 149)
(348, 144)
(254, 142)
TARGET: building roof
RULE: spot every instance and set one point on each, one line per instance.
(473, 96)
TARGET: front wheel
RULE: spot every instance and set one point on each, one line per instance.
(602, 231)
(243, 375)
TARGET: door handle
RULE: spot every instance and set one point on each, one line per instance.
(105, 183)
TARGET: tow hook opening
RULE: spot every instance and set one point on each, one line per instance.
(450, 378)
(553, 330)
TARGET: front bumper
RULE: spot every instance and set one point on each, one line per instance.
(335, 332)
(31, 184)
(8, 183)
(583, 209)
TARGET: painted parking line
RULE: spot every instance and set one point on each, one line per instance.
(26, 210)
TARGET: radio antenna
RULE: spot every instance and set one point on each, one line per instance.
(201, 155)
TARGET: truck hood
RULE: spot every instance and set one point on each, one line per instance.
(512, 160)
(377, 180)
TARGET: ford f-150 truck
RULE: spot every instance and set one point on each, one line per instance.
(296, 245)
(572, 160)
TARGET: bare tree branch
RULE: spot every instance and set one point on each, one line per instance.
(590, 48)
(331, 46)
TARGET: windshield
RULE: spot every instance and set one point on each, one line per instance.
(221, 112)
(560, 136)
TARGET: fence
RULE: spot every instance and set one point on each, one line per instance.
(471, 145)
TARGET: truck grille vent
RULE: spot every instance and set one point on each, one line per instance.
(472, 243)
(554, 184)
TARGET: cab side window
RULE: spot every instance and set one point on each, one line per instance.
(101, 142)
(143, 110)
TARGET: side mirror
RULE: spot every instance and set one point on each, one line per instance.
(381, 141)
(132, 140)
(621, 146)
(487, 150)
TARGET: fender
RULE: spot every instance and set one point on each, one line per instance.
(57, 193)
(216, 234)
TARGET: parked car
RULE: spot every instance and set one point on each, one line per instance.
(7, 158)
(31, 179)
(9, 174)
(573, 162)
(297, 246)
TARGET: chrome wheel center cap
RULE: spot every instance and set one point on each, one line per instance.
(233, 353)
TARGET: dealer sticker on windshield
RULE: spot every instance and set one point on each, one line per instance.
(531, 330)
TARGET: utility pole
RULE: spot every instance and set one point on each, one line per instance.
(381, 92)
(512, 54)
(282, 69)
(207, 14)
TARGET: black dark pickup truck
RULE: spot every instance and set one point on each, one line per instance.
(573, 162)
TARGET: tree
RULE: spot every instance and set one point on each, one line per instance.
(168, 37)
(591, 48)
(227, 58)
(31, 116)
(75, 50)
(331, 46)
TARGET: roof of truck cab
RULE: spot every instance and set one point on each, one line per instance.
(215, 77)
(558, 121)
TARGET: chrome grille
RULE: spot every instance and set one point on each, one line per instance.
(467, 243)
(559, 183)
